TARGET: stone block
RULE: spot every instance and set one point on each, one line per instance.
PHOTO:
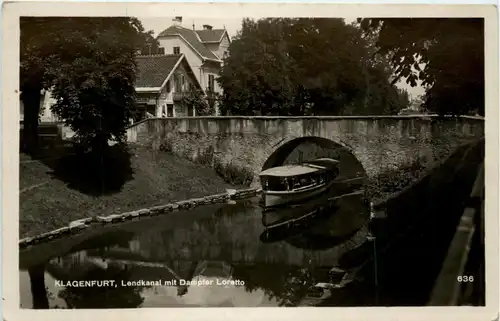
(144, 212)
(157, 210)
(185, 204)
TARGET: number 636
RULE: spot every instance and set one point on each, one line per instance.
(465, 278)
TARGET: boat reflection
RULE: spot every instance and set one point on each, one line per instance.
(330, 221)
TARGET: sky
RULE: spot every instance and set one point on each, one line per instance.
(232, 26)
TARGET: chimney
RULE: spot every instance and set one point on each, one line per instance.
(177, 21)
(207, 27)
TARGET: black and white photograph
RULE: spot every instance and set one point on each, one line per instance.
(176, 159)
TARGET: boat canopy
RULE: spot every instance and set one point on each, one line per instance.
(289, 170)
(328, 162)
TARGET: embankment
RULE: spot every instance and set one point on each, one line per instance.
(62, 189)
(414, 230)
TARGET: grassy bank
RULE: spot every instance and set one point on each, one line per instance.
(54, 192)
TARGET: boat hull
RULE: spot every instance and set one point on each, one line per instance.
(276, 199)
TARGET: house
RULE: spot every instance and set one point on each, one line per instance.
(46, 101)
(162, 82)
(204, 50)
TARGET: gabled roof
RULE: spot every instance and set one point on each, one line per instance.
(154, 71)
(192, 38)
(211, 36)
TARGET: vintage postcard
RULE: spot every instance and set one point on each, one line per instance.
(266, 157)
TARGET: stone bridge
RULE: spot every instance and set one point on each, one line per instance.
(363, 144)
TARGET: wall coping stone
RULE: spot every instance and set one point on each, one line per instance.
(422, 117)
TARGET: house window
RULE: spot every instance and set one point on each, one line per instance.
(179, 83)
(170, 110)
(177, 50)
(161, 50)
(211, 83)
(168, 86)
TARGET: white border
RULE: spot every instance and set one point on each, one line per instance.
(10, 183)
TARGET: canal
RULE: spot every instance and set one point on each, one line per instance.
(216, 255)
(236, 255)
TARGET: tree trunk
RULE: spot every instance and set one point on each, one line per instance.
(31, 101)
(38, 291)
(100, 144)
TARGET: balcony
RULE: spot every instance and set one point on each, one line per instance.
(146, 100)
(178, 96)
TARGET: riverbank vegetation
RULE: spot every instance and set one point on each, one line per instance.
(74, 187)
(392, 181)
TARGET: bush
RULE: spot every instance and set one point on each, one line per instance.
(394, 180)
(234, 174)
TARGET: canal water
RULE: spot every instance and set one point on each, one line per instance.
(218, 255)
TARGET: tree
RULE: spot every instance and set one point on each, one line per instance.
(255, 75)
(201, 103)
(88, 64)
(35, 57)
(305, 66)
(151, 46)
(445, 54)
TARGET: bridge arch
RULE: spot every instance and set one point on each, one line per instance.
(310, 147)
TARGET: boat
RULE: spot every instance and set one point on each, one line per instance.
(291, 184)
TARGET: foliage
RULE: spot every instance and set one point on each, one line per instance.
(304, 67)
(404, 98)
(201, 103)
(445, 54)
(88, 64)
(392, 181)
(151, 44)
(234, 174)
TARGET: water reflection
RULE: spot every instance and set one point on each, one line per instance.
(232, 256)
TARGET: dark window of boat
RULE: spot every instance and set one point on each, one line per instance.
(274, 183)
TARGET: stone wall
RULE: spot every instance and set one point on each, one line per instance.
(245, 143)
